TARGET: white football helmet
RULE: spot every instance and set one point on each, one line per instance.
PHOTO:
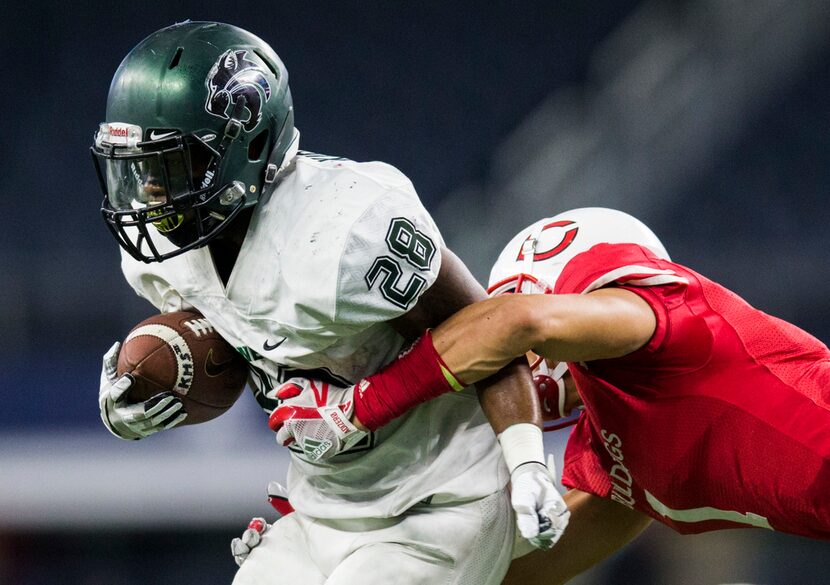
(535, 257)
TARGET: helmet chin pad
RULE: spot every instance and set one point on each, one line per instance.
(552, 392)
(187, 229)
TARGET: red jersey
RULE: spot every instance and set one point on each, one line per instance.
(721, 421)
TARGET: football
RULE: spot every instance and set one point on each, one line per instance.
(182, 353)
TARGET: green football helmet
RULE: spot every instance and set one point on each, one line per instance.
(199, 120)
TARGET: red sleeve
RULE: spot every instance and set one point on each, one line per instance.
(609, 264)
(681, 337)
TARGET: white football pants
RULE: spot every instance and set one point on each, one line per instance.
(450, 544)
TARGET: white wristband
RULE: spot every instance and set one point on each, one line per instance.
(522, 443)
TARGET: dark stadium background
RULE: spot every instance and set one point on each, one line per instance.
(708, 119)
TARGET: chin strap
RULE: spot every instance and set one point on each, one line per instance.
(550, 385)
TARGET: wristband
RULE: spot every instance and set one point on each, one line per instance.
(522, 443)
(419, 374)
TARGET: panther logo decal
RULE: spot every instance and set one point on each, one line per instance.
(233, 75)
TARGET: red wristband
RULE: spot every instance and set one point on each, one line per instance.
(419, 374)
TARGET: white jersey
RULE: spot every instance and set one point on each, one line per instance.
(334, 251)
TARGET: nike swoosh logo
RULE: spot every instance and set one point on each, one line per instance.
(268, 347)
(213, 369)
(154, 136)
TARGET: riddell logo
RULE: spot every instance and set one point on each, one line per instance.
(206, 183)
(118, 131)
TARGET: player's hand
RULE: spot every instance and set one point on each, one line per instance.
(541, 513)
(132, 421)
(241, 547)
(316, 416)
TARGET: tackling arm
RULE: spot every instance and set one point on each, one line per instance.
(509, 400)
(479, 340)
(508, 395)
(597, 528)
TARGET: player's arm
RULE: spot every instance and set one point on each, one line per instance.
(597, 528)
(508, 398)
(510, 402)
(507, 394)
(480, 339)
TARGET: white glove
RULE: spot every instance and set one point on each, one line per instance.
(241, 547)
(132, 421)
(316, 416)
(541, 513)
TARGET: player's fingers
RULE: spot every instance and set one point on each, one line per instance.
(284, 436)
(164, 402)
(176, 421)
(558, 513)
(169, 417)
(130, 414)
(549, 533)
(125, 432)
(523, 499)
(120, 387)
(551, 529)
(125, 429)
(135, 418)
(553, 505)
(104, 400)
(238, 547)
(543, 543)
(560, 522)
(111, 361)
(239, 550)
(526, 517)
(546, 538)
(258, 524)
(287, 412)
(289, 390)
(251, 537)
(528, 525)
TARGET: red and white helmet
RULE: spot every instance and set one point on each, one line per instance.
(535, 257)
